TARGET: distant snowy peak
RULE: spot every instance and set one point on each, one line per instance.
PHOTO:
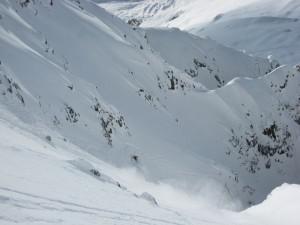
(260, 36)
(261, 28)
(172, 13)
(187, 14)
(141, 10)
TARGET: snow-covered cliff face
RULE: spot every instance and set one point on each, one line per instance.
(83, 94)
(261, 28)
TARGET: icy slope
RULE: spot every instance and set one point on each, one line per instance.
(261, 28)
(74, 73)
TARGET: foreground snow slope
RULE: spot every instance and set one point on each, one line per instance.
(42, 183)
(261, 28)
(77, 78)
(280, 207)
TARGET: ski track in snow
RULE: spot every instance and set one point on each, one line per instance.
(32, 201)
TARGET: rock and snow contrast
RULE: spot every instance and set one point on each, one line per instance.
(104, 122)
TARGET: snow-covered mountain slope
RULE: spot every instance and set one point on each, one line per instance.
(261, 36)
(270, 28)
(87, 94)
(261, 28)
(172, 13)
(265, 212)
(42, 183)
(205, 60)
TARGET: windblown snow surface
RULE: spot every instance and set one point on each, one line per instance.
(260, 27)
(104, 123)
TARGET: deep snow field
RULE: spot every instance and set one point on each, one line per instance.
(102, 122)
